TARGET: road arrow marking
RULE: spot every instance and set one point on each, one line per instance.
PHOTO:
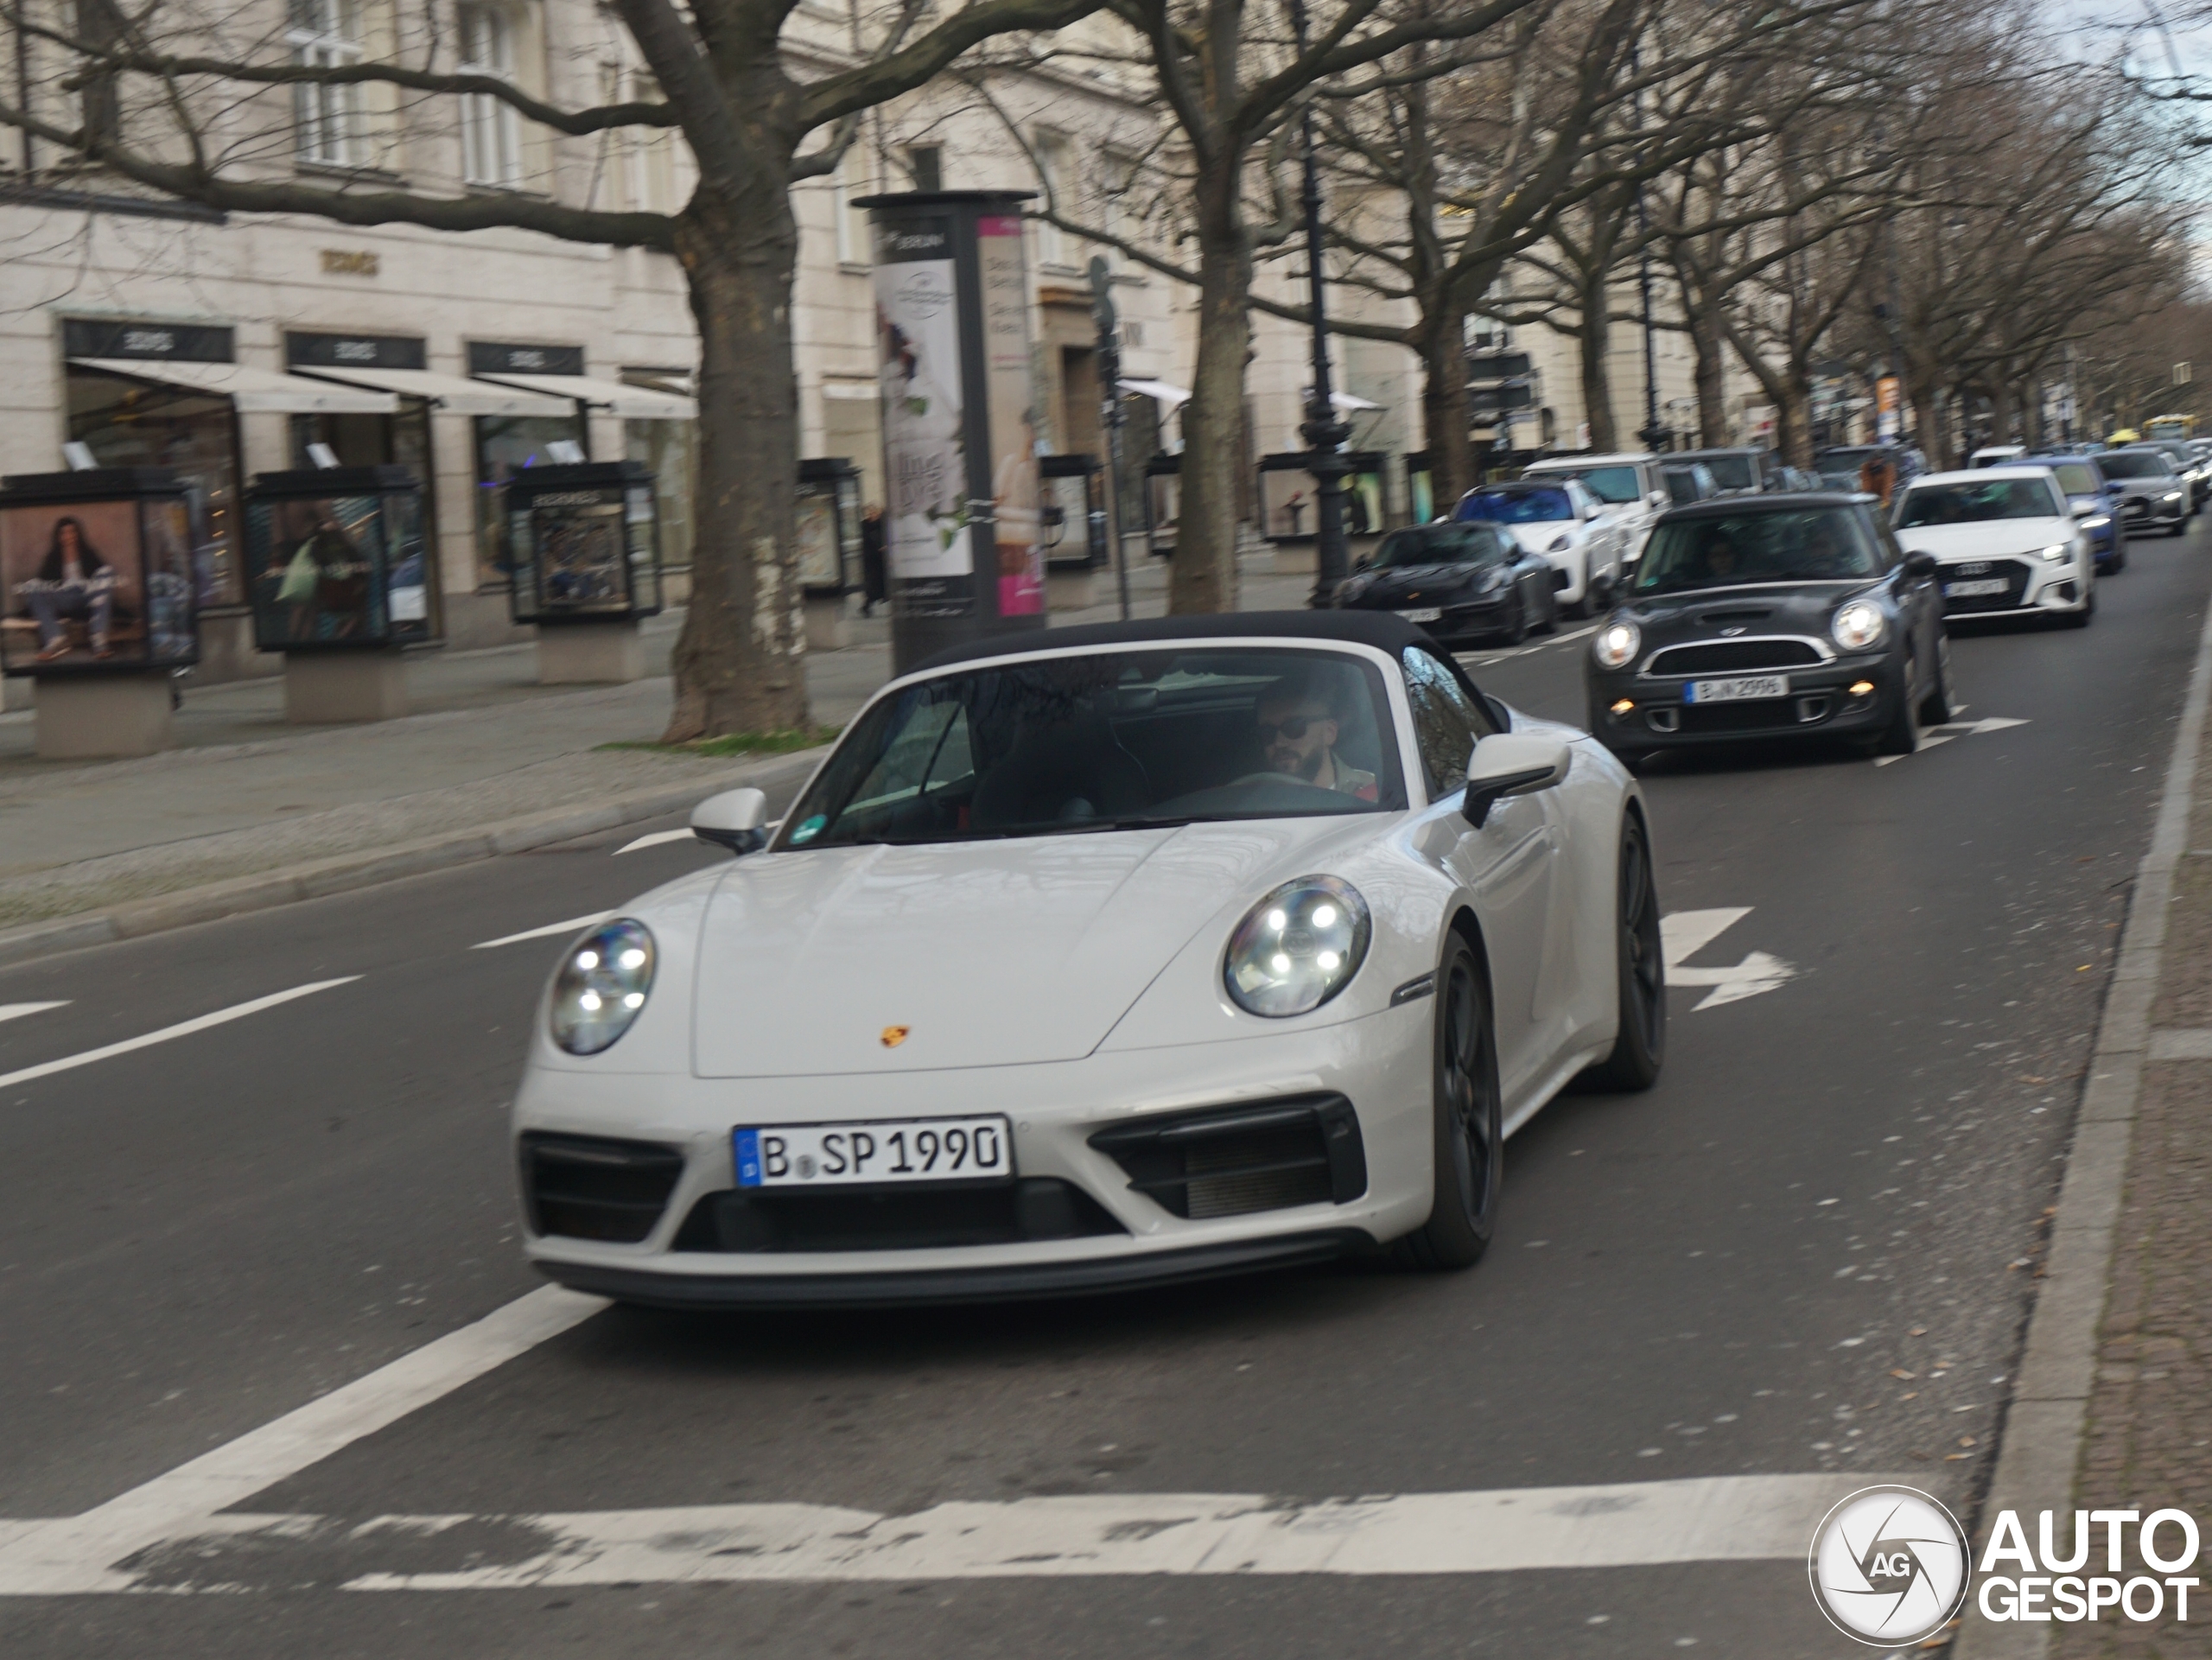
(1950, 729)
(1687, 932)
(654, 840)
(16, 1011)
(182, 1028)
(573, 925)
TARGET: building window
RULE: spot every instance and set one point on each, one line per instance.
(327, 35)
(1053, 174)
(100, 23)
(850, 181)
(491, 131)
(927, 163)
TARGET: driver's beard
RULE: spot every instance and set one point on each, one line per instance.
(1300, 766)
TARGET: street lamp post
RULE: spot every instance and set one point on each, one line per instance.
(1323, 432)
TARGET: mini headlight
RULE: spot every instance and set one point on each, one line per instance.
(602, 986)
(1860, 625)
(2058, 551)
(1297, 948)
(1615, 644)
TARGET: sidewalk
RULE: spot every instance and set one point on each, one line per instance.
(2109, 1409)
(244, 793)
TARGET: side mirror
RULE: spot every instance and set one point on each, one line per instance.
(2084, 509)
(1509, 764)
(736, 819)
(1660, 499)
(1919, 564)
(1362, 561)
(1601, 592)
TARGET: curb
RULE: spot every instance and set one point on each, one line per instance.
(2046, 1422)
(343, 873)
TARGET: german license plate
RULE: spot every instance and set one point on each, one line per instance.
(891, 1150)
(1974, 590)
(1427, 613)
(1740, 690)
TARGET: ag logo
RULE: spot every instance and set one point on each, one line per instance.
(1889, 1566)
(893, 1036)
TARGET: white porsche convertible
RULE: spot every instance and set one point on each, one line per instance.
(1117, 955)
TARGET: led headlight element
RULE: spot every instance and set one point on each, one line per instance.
(1616, 644)
(1859, 626)
(602, 986)
(2059, 550)
(1297, 948)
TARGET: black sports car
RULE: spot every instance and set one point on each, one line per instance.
(1458, 580)
(1761, 617)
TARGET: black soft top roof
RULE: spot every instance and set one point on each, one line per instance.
(1772, 502)
(1378, 628)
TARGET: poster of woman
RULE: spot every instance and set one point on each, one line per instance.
(931, 565)
(73, 586)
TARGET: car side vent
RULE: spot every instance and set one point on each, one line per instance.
(586, 1188)
(1233, 1161)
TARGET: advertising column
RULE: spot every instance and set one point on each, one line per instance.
(962, 545)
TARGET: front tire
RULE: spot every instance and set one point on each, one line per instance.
(1469, 1120)
(1641, 1048)
(1935, 708)
(2080, 619)
(1902, 735)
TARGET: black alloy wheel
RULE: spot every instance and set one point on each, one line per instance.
(1901, 736)
(2119, 550)
(1641, 1048)
(1518, 630)
(1935, 708)
(1470, 1120)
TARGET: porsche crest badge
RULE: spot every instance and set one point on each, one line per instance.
(893, 1036)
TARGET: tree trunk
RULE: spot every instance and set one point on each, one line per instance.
(738, 662)
(1203, 577)
(1710, 376)
(1928, 431)
(1445, 410)
(2000, 409)
(1592, 336)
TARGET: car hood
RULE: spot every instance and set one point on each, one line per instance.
(1538, 538)
(1409, 582)
(1778, 608)
(978, 953)
(1996, 539)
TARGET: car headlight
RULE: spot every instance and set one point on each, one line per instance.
(1860, 625)
(1297, 948)
(2173, 498)
(1560, 543)
(602, 986)
(1350, 588)
(1615, 646)
(2096, 521)
(2058, 551)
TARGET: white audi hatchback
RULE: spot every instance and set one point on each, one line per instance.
(2005, 543)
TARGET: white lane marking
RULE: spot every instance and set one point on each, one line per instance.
(1485, 659)
(1950, 729)
(182, 1028)
(574, 924)
(655, 840)
(16, 1011)
(1714, 1519)
(76, 1553)
(1684, 933)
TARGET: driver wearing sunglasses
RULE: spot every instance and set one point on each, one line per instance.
(1298, 728)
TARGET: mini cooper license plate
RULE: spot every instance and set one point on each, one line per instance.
(1426, 614)
(1738, 690)
(891, 1150)
(1974, 590)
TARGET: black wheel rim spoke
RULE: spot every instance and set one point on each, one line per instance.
(1467, 1088)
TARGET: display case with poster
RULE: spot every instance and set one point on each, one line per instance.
(96, 572)
(334, 559)
(828, 526)
(1074, 511)
(586, 542)
(1163, 502)
(1421, 487)
(1289, 511)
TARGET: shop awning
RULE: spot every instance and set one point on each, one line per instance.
(1173, 397)
(252, 391)
(629, 403)
(1351, 404)
(456, 394)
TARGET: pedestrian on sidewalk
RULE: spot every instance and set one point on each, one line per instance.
(874, 577)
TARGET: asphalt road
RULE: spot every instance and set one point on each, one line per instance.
(1841, 1178)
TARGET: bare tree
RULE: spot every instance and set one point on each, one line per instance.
(200, 101)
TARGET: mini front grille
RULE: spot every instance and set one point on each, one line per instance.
(1731, 656)
(920, 1218)
(1233, 1161)
(585, 1188)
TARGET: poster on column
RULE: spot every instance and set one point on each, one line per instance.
(1015, 488)
(928, 552)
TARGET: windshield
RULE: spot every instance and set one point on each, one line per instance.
(1109, 741)
(2077, 478)
(1976, 504)
(2133, 464)
(1439, 544)
(1732, 472)
(1610, 485)
(1517, 506)
(1681, 484)
(1723, 550)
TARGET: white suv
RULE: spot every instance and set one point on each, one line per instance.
(1630, 489)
